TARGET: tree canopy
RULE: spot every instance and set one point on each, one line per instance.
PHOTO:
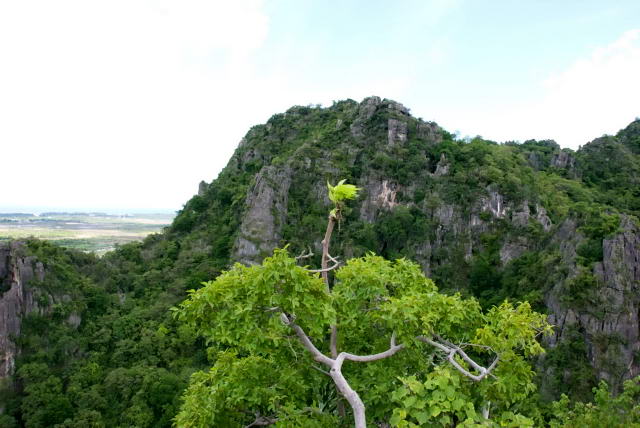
(381, 330)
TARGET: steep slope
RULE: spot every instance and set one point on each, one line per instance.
(519, 221)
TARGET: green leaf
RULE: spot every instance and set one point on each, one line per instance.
(422, 417)
(409, 401)
(342, 192)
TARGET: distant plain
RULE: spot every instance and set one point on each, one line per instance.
(85, 231)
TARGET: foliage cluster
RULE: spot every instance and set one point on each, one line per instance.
(371, 300)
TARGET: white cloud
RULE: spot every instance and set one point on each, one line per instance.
(596, 95)
(121, 103)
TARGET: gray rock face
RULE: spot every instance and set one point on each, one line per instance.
(17, 271)
(563, 160)
(610, 328)
(494, 204)
(202, 188)
(446, 214)
(521, 217)
(535, 161)
(366, 110)
(429, 131)
(22, 297)
(261, 227)
(442, 168)
(381, 195)
(511, 250)
(396, 107)
(397, 133)
(543, 218)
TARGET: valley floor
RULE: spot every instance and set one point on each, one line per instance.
(96, 232)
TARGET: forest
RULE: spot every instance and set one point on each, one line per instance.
(353, 248)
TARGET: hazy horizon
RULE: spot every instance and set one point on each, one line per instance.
(4, 209)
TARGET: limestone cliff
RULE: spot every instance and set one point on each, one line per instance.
(608, 323)
(21, 294)
(17, 298)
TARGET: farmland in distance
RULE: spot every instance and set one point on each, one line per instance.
(86, 231)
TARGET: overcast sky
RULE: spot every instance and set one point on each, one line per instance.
(128, 104)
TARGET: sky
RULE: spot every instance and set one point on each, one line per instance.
(129, 104)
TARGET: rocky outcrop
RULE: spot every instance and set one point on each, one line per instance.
(202, 188)
(512, 249)
(23, 276)
(442, 168)
(609, 321)
(429, 131)
(17, 271)
(563, 159)
(261, 227)
(543, 218)
(494, 204)
(397, 133)
(365, 111)
(381, 195)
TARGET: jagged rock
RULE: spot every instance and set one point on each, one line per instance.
(380, 195)
(397, 133)
(74, 320)
(366, 109)
(521, 218)
(423, 253)
(442, 168)
(445, 214)
(396, 107)
(429, 131)
(468, 249)
(202, 188)
(543, 218)
(535, 161)
(475, 220)
(563, 160)
(494, 204)
(261, 227)
(512, 250)
(616, 314)
(17, 271)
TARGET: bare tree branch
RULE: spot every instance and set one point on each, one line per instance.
(305, 255)
(325, 270)
(306, 342)
(333, 342)
(320, 370)
(451, 350)
(333, 259)
(373, 357)
(262, 421)
(325, 250)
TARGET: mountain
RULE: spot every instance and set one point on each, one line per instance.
(92, 341)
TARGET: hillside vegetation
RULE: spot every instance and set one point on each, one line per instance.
(99, 346)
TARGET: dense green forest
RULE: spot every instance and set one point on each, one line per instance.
(485, 222)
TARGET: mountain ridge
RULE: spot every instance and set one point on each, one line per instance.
(521, 221)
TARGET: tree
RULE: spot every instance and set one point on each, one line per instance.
(607, 410)
(268, 327)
